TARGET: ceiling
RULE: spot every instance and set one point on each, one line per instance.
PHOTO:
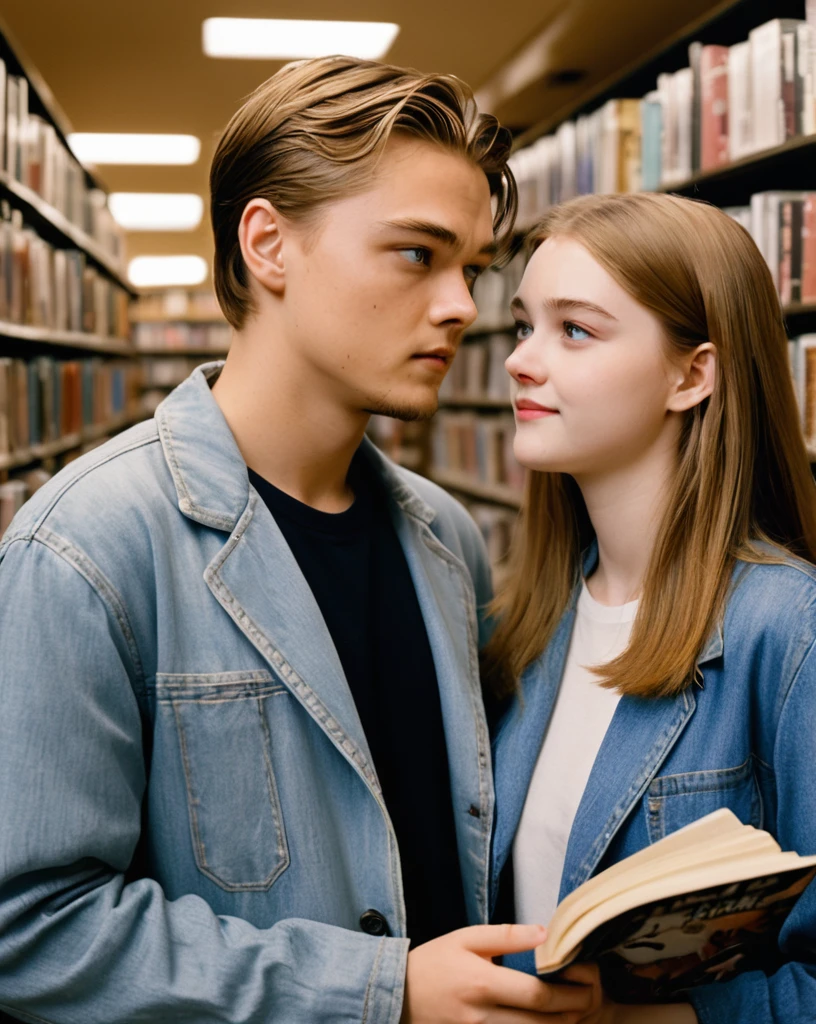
(139, 67)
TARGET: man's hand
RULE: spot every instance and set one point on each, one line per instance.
(452, 980)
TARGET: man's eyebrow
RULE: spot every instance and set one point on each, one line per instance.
(563, 306)
(438, 232)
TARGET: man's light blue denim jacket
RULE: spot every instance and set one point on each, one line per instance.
(190, 823)
(744, 738)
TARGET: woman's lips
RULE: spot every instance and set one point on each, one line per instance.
(527, 410)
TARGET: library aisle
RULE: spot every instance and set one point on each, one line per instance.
(342, 676)
(715, 101)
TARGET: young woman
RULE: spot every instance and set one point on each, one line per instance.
(655, 641)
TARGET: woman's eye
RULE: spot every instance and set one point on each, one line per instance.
(418, 256)
(574, 332)
(523, 331)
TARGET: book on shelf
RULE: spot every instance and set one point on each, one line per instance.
(477, 447)
(478, 372)
(45, 286)
(713, 109)
(45, 399)
(34, 154)
(729, 103)
(773, 80)
(698, 907)
(176, 337)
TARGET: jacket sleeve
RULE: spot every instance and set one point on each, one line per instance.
(79, 944)
(789, 995)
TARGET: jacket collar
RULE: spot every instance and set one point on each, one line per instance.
(208, 470)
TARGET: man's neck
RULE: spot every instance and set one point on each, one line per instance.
(287, 429)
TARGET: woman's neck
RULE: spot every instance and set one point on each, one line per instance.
(626, 507)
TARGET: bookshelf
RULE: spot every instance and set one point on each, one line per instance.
(467, 458)
(68, 373)
(173, 332)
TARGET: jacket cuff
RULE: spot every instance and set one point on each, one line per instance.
(386, 985)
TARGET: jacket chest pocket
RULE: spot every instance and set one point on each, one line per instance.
(224, 742)
(676, 800)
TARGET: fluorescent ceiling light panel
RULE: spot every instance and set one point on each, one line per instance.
(164, 271)
(132, 148)
(281, 39)
(156, 211)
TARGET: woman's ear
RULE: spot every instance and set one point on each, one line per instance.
(259, 235)
(695, 379)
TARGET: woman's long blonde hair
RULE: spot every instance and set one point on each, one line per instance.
(742, 469)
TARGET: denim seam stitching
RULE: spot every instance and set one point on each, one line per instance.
(142, 443)
(433, 543)
(372, 976)
(101, 586)
(794, 680)
(274, 799)
(633, 794)
(186, 503)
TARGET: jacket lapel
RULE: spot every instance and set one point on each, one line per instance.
(640, 737)
(519, 737)
(258, 582)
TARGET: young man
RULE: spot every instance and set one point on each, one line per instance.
(243, 756)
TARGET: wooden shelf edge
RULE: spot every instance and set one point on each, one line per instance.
(501, 494)
(759, 157)
(65, 339)
(211, 321)
(69, 231)
(39, 452)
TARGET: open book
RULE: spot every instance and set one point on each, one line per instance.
(702, 905)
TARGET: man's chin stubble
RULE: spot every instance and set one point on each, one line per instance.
(406, 413)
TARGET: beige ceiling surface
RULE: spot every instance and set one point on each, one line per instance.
(139, 67)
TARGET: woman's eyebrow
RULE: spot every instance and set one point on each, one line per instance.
(561, 305)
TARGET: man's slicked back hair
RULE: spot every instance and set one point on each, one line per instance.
(313, 133)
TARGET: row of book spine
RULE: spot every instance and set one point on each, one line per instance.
(782, 223)
(45, 399)
(58, 289)
(802, 352)
(176, 337)
(478, 447)
(729, 103)
(33, 153)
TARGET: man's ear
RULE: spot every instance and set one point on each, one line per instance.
(695, 378)
(259, 235)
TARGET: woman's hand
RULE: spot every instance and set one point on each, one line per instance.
(603, 1011)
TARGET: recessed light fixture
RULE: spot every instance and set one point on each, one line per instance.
(282, 39)
(133, 148)
(165, 271)
(156, 211)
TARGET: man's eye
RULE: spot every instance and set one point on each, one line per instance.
(472, 272)
(523, 331)
(574, 332)
(419, 256)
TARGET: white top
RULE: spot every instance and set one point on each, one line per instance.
(580, 718)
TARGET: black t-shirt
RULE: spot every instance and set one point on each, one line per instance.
(356, 569)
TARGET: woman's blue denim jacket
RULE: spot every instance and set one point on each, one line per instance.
(190, 823)
(744, 738)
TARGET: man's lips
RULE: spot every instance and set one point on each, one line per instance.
(529, 410)
(439, 357)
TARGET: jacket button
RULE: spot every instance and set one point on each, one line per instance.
(373, 923)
